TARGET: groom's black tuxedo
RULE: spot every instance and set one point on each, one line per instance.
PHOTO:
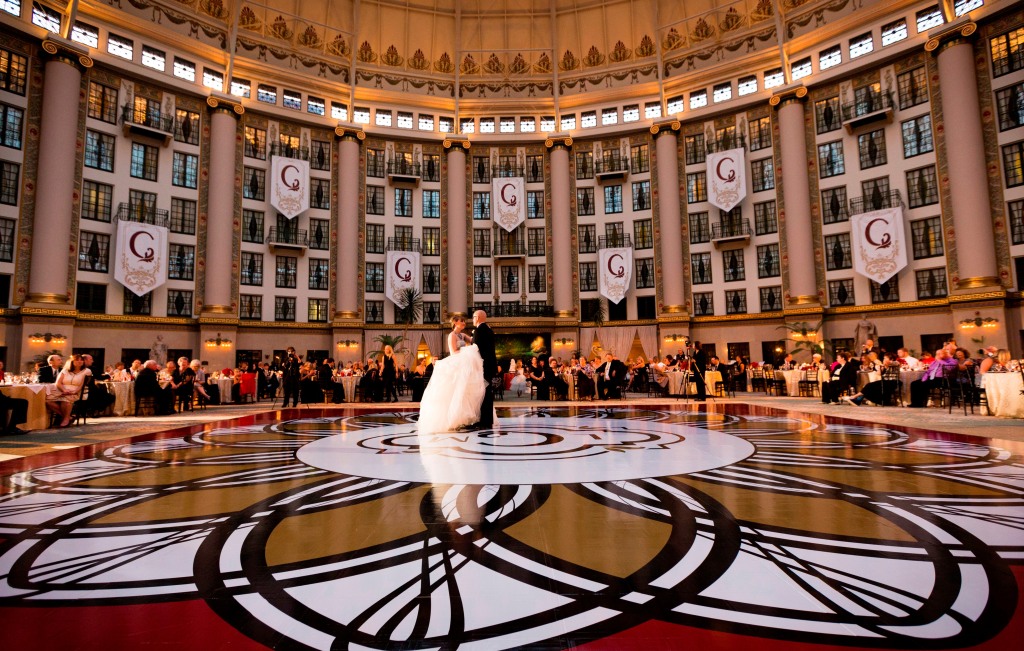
(484, 340)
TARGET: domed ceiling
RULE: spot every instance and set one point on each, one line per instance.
(493, 48)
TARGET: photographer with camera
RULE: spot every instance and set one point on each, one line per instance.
(290, 377)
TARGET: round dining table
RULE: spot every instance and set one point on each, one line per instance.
(35, 394)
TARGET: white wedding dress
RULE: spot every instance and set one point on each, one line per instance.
(456, 389)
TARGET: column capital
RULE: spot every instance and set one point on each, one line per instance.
(668, 126)
(231, 107)
(565, 142)
(65, 51)
(788, 95)
(949, 35)
(453, 143)
(346, 132)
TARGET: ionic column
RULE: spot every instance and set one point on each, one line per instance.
(670, 225)
(220, 207)
(965, 154)
(457, 247)
(561, 231)
(802, 288)
(48, 277)
(347, 283)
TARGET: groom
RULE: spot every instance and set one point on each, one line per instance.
(483, 337)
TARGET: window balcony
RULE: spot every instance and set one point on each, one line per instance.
(725, 143)
(404, 244)
(611, 168)
(624, 241)
(403, 170)
(515, 310)
(287, 151)
(876, 200)
(511, 248)
(870, 109)
(731, 232)
(290, 239)
(148, 124)
(143, 214)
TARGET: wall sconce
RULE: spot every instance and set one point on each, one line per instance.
(564, 342)
(674, 338)
(979, 322)
(47, 338)
(348, 343)
(218, 342)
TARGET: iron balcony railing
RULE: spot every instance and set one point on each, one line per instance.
(615, 241)
(611, 165)
(875, 200)
(143, 214)
(868, 103)
(513, 310)
(509, 171)
(147, 118)
(403, 244)
(288, 151)
(403, 167)
(509, 247)
(727, 229)
(288, 236)
(725, 143)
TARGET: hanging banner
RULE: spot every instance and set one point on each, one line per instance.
(616, 270)
(879, 246)
(141, 256)
(508, 198)
(289, 186)
(403, 271)
(727, 178)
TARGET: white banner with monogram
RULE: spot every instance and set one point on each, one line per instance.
(402, 272)
(141, 256)
(289, 186)
(508, 201)
(879, 245)
(727, 178)
(616, 271)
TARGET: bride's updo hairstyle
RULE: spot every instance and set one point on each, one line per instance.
(458, 319)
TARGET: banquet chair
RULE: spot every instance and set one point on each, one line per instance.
(498, 387)
(808, 386)
(247, 387)
(757, 380)
(891, 381)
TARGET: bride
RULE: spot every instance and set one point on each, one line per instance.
(456, 388)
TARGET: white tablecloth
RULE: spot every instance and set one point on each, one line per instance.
(1003, 393)
(792, 379)
(348, 382)
(124, 397)
(224, 384)
(906, 377)
(675, 383)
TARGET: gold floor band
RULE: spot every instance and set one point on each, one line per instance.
(977, 281)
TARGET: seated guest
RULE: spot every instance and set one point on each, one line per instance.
(556, 383)
(933, 378)
(843, 376)
(187, 385)
(715, 364)
(13, 412)
(880, 391)
(99, 399)
(67, 389)
(120, 374)
(905, 359)
(147, 385)
(786, 363)
(585, 387)
(539, 377)
(417, 380)
(48, 374)
(199, 382)
(739, 373)
(610, 376)
(999, 362)
(660, 370)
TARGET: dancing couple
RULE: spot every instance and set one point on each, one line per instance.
(458, 396)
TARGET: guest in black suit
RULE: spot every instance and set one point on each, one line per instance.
(610, 377)
(291, 378)
(387, 374)
(147, 385)
(483, 337)
(48, 374)
(844, 374)
(699, 366)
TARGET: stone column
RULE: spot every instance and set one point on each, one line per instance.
(347, 283)
(220, 208)
(48, 280)
(965, 154)
(457, 249)
(561, 231)
(802, 288)
(670, 225)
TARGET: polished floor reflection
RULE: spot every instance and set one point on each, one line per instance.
(595, 528)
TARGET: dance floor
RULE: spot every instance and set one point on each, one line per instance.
(643, 528)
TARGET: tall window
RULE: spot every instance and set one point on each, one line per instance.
(319, 273)
(913, 87)
(375, 238)
(13, 72)
(431, 241)
(102, 102)
(732, 265)
(588, 276)
(252, 269)
(319, 234)
(771, 298)
(699, 229)
(768, 261)
(765, 219)
(179, 302)
(917, 136)
(320, 194)
(700, 268)
(644, 273)
(922, 190)
(256, 143)
(693, 146)
(1010, 106)
(431, 279)
(704, 303)
(834, 208)
(431, 167)
(252, 226)
(97, 199)
(1015, 209)
(736, 301)
(1007, 52)
(871, 148)
(375, 163)
(99, 150)
(181, 263)
(135, 304)
(11, 118)
(250, 307)
(375, 311)
(186, 170)
(9, 173)
(1013, 164)
(760, 133)
(641, 159)
(186, 126)
(284, 308)
(535, 241)
(481, 242)
(837, 252)
(696, 187)
(481, 279)
(830, 159)
(642, 195)
(374, 277)
(762, 174)
(585, 201)
(93, 252)
(927, 237)
(584, 165)
(931, 283)
(255, 183)
(317, 310)
(374, 200)
(826, 114)
(481, 205)
(537, 278)
(887, 292)
(612, 199)
(142, 206)
(587, 238)
(509, 279)
(643, 234)
(535, 204)
(481, 169)
(183, 216)
(840, 292)
(432, 204)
